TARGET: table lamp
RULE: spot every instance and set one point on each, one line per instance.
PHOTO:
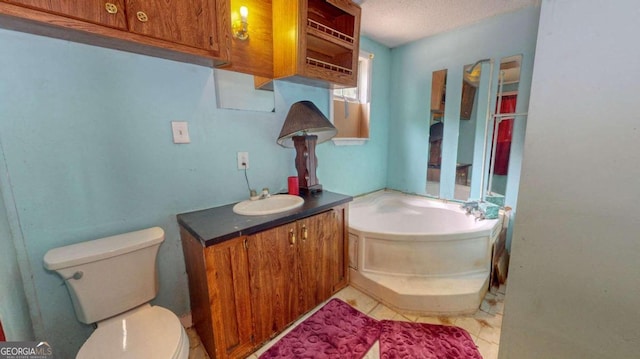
(305, 126)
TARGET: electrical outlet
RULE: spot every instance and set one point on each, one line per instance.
(243, 160)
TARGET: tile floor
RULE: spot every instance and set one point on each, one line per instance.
(484, 325)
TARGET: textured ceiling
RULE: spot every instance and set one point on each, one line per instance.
(396, 22)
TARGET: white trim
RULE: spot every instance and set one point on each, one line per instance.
(349, 141)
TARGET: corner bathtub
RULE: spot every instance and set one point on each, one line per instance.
(420, 255)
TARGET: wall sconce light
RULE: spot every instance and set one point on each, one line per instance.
(240, 26)
(305, 126)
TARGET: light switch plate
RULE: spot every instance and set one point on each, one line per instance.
(180, 132)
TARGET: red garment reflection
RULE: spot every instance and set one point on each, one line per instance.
(505, 131)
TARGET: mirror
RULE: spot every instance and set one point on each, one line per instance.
(503, 123)
(467, 130)
(237, 91)
(488, 96)
(436, 129)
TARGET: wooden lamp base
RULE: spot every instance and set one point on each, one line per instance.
(306, 164)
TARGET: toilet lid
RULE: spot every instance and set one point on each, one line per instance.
(148, 332)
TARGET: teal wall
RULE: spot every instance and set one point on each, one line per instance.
(573, 278)
(14, 311)
(411, 69)
(86, 142)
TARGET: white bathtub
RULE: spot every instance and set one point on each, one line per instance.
(419, 255)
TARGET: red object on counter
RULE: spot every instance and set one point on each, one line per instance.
(294, 189)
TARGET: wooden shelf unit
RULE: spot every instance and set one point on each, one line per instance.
(325, 48)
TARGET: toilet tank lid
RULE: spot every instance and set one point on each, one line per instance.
(103, 248)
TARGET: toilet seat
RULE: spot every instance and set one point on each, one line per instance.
(144, 332)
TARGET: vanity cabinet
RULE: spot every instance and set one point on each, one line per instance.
(325, 48)
(195, 31)
(246, 290)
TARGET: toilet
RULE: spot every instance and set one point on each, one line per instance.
(111, 281)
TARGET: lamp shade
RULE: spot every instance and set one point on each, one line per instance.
(304, 118)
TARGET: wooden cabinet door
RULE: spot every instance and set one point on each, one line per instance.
(339, 250)
(105, 12)
(272, 277)
(187, 22)
(320, 258)
(219, 292)
(228, 281)
(309, 268)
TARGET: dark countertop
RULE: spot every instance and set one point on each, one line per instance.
(218, 224)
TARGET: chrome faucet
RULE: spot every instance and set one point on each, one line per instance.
(473, 207)
(470, 206)
(265, 193)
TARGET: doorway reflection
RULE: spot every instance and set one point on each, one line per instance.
(436, 128)
(467, 130)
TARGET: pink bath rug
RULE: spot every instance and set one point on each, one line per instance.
(427, 341)
(335, 331)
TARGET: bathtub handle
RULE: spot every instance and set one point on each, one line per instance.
(292, 237)
(304, 232)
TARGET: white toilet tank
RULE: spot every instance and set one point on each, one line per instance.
(111, 275)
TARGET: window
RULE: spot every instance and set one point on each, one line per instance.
(350, 106)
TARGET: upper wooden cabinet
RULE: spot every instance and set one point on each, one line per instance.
(105, 12)
(187, 22)
(316, 41)
(195, 31)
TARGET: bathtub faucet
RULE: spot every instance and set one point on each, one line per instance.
(475, 209)
(470, 206)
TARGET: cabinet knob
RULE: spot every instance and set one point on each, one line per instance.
(292, 237)
(304, 232)
(142, 16)
(111, 8)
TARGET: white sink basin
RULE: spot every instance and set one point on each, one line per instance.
(274, 204)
